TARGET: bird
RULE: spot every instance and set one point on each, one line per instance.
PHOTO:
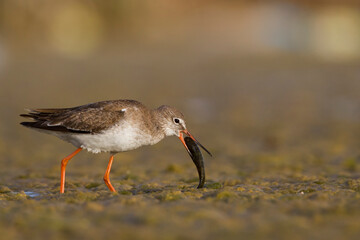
(111, 126)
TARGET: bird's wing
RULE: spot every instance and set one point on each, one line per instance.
(90, 118)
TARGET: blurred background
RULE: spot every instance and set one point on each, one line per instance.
(272, 88)
(248, 69)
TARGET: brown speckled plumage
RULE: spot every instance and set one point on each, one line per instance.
(89, 118)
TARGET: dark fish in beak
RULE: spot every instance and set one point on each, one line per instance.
(192, 147)
(197, 157)
(192, 137)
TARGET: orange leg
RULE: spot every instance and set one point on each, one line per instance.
(63, 167)
(107, 173)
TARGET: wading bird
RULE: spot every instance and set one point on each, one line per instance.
(114, 126)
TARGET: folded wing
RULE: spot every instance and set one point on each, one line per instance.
(87, 119)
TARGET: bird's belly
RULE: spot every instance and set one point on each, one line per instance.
(117, 139)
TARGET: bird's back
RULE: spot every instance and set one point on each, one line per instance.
(89, 118)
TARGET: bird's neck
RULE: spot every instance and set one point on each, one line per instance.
(158, 123)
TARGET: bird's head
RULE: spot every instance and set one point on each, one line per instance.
(173, 124)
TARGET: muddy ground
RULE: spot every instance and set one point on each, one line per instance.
(284, 133)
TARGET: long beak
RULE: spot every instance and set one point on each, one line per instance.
(191, 136)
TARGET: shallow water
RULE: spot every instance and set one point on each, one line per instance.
(32, 194)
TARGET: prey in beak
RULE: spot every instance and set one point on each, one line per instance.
(181, 137)
(192, 147)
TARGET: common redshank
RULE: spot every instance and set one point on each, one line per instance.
(109, 126)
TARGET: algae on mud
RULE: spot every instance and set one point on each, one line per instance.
(283, 169)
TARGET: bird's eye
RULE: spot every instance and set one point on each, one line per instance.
(176, 120)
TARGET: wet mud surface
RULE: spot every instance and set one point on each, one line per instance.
(284, 138)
